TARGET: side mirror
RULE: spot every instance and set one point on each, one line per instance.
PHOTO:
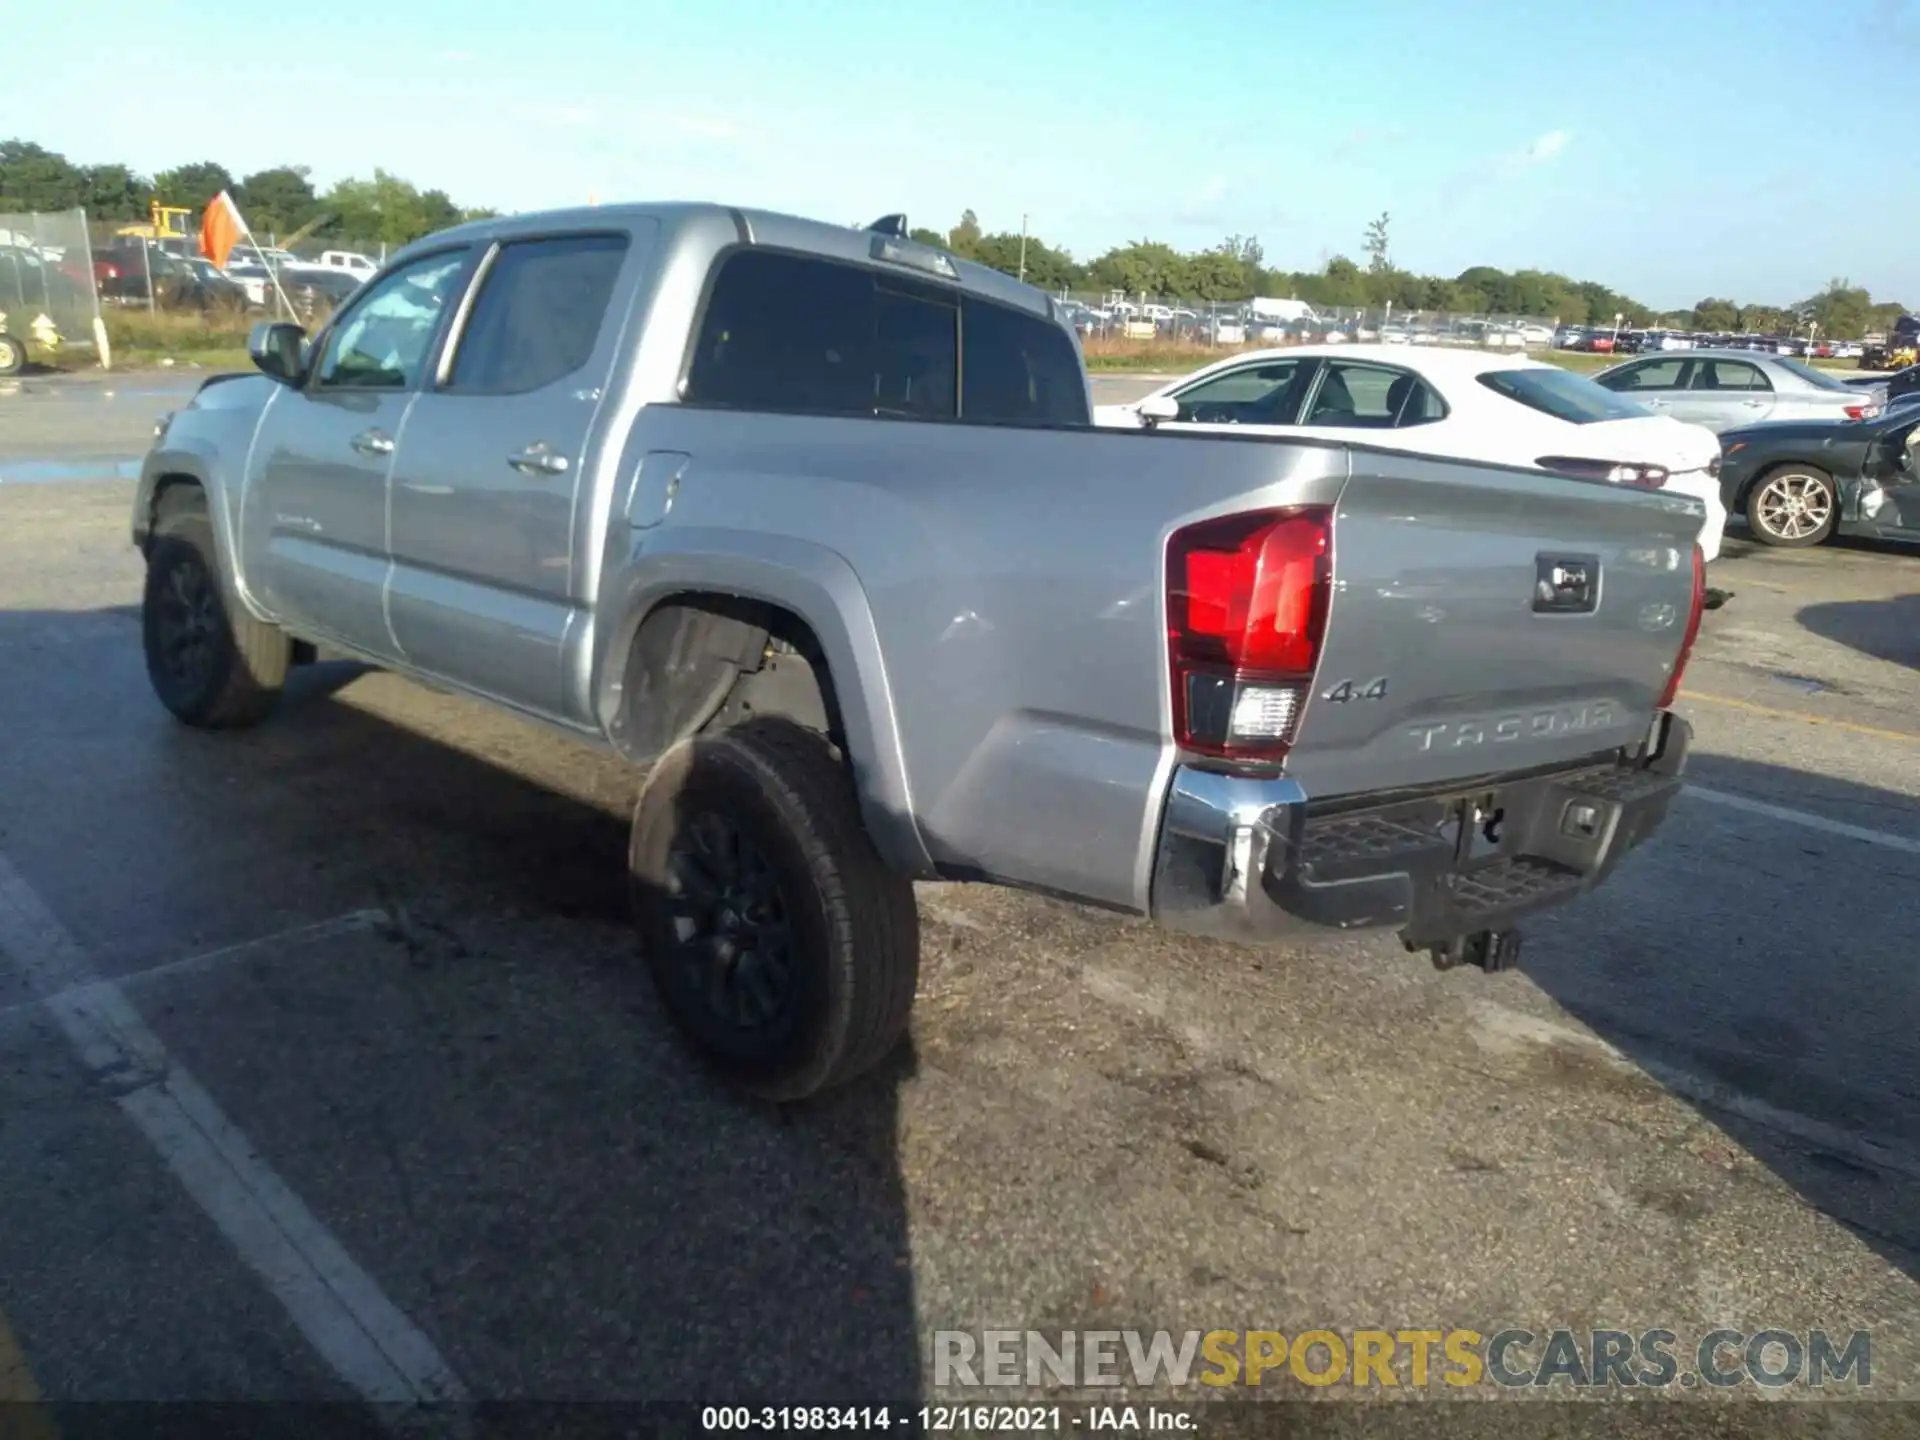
(1156, 408)
(279, 349)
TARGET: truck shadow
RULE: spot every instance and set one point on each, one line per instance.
(1884, 629)
(478, 1092)
(1783, 1006)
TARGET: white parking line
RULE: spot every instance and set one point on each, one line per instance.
(1885, 839)
(347, 924)
(340, 1309)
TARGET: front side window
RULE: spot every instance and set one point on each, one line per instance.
(1250, 394)
(382, 343)
(538, 315)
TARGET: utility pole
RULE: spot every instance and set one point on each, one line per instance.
(1023, 248)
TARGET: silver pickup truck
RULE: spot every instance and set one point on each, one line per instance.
(810, 522)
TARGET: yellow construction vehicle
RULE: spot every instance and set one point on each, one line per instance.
(164, 223)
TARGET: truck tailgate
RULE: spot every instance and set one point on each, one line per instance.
(1485, 621)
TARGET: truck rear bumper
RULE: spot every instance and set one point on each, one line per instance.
(1255, 859)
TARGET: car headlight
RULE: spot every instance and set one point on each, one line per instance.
(160, 426)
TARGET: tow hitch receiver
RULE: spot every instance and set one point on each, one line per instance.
(1491, 950)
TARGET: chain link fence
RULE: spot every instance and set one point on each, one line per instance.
(1172, 320)
(48, 291)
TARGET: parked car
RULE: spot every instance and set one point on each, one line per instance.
(1722, 389)
(1467, 404)
(1248, 696)
(1799, 482)
(220, 286)
(361, 267)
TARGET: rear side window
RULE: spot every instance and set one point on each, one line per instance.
(1019, 369)
(538, 315)
(1728, 375)
(1561, 394)
(798, 334)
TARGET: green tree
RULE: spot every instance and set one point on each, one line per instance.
(113, 192)
(277, 200)
(191, 185)
(1146, 267)
(1716, 315)
(1047, 267)
(1766, 319)
(1379, 258)
(385, 210)
(1842, 310)
(964, 239)
(35, 178)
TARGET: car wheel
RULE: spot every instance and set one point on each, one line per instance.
(781, 943)
(212, 664)
(13, 354)
(1793, 507)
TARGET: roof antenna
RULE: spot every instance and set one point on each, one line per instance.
(894, 225)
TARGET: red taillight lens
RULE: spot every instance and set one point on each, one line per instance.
(1692, 631)
(1247, 600)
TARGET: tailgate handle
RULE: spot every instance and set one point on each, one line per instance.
(1566, 584)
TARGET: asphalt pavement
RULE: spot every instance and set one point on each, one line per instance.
(327, 1070)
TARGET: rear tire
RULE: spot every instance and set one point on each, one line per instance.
(13, 354)
(210, 662)
(1793, 507)
(782, 945)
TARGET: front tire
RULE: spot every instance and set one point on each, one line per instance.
(782, 945)
(1793, 507)
(210, 662)
(13, 354)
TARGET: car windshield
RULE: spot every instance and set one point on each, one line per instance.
(1561, 394)
(1819, 379)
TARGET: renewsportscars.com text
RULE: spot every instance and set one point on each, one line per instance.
(1415, 1358)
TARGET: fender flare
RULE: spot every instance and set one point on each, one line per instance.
(820, 588)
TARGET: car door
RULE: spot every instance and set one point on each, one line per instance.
(1659, 384)
(484, 589)
(314, 516)
(1261, 393)
(1890, 491)
(1725, 393)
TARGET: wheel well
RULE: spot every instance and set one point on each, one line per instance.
(173, 495)
(704, 661)
(1746, 492)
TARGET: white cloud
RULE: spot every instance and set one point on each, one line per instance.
(1547, 146)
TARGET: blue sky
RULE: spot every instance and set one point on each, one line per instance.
(1673, 150)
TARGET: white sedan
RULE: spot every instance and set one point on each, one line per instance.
(1465, 403)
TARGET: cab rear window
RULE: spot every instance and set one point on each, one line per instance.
(798, 333)
(1561, 394)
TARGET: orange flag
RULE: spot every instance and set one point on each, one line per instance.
(221, 228)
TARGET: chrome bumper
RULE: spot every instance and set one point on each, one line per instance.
(1250, 858)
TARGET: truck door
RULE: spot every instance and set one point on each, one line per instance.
(485, 536)
(314, 515)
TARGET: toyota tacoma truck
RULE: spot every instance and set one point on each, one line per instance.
(811, 523)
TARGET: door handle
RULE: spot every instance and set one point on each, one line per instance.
(1654, 404)
(538, 460)
(1753, 404)
(373, 442)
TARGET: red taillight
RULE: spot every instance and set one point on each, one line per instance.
(1862, 412)
(1247, 603)
(1692, 631)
